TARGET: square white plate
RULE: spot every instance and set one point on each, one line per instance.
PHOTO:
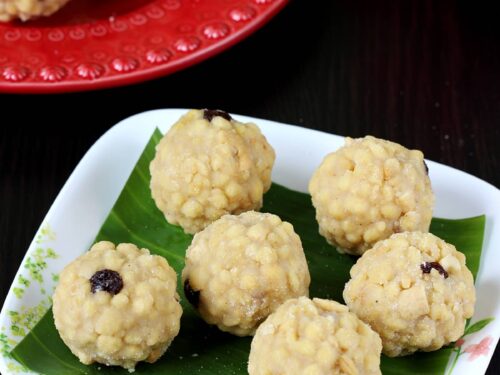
(89, 194)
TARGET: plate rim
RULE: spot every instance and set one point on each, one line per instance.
(129, 122)
(152, 72)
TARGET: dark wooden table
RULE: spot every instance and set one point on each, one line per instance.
(423, 73)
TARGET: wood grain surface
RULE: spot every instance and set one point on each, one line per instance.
(423, 73)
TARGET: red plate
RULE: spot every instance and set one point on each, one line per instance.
(93, 44)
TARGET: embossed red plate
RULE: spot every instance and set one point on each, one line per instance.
(92, 44)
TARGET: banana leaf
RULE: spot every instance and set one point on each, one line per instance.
(203, 349)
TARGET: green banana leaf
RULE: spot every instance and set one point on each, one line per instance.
(203, 349)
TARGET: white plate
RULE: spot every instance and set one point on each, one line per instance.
(89, 194)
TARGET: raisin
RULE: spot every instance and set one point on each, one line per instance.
(193, 296)
(107, 281)
(209, 114)
(426, 168)
(427, 266)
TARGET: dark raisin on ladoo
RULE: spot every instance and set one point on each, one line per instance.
(209, 114)
(107, 281)
(426, 168)
(427, 266)
(193, 296)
